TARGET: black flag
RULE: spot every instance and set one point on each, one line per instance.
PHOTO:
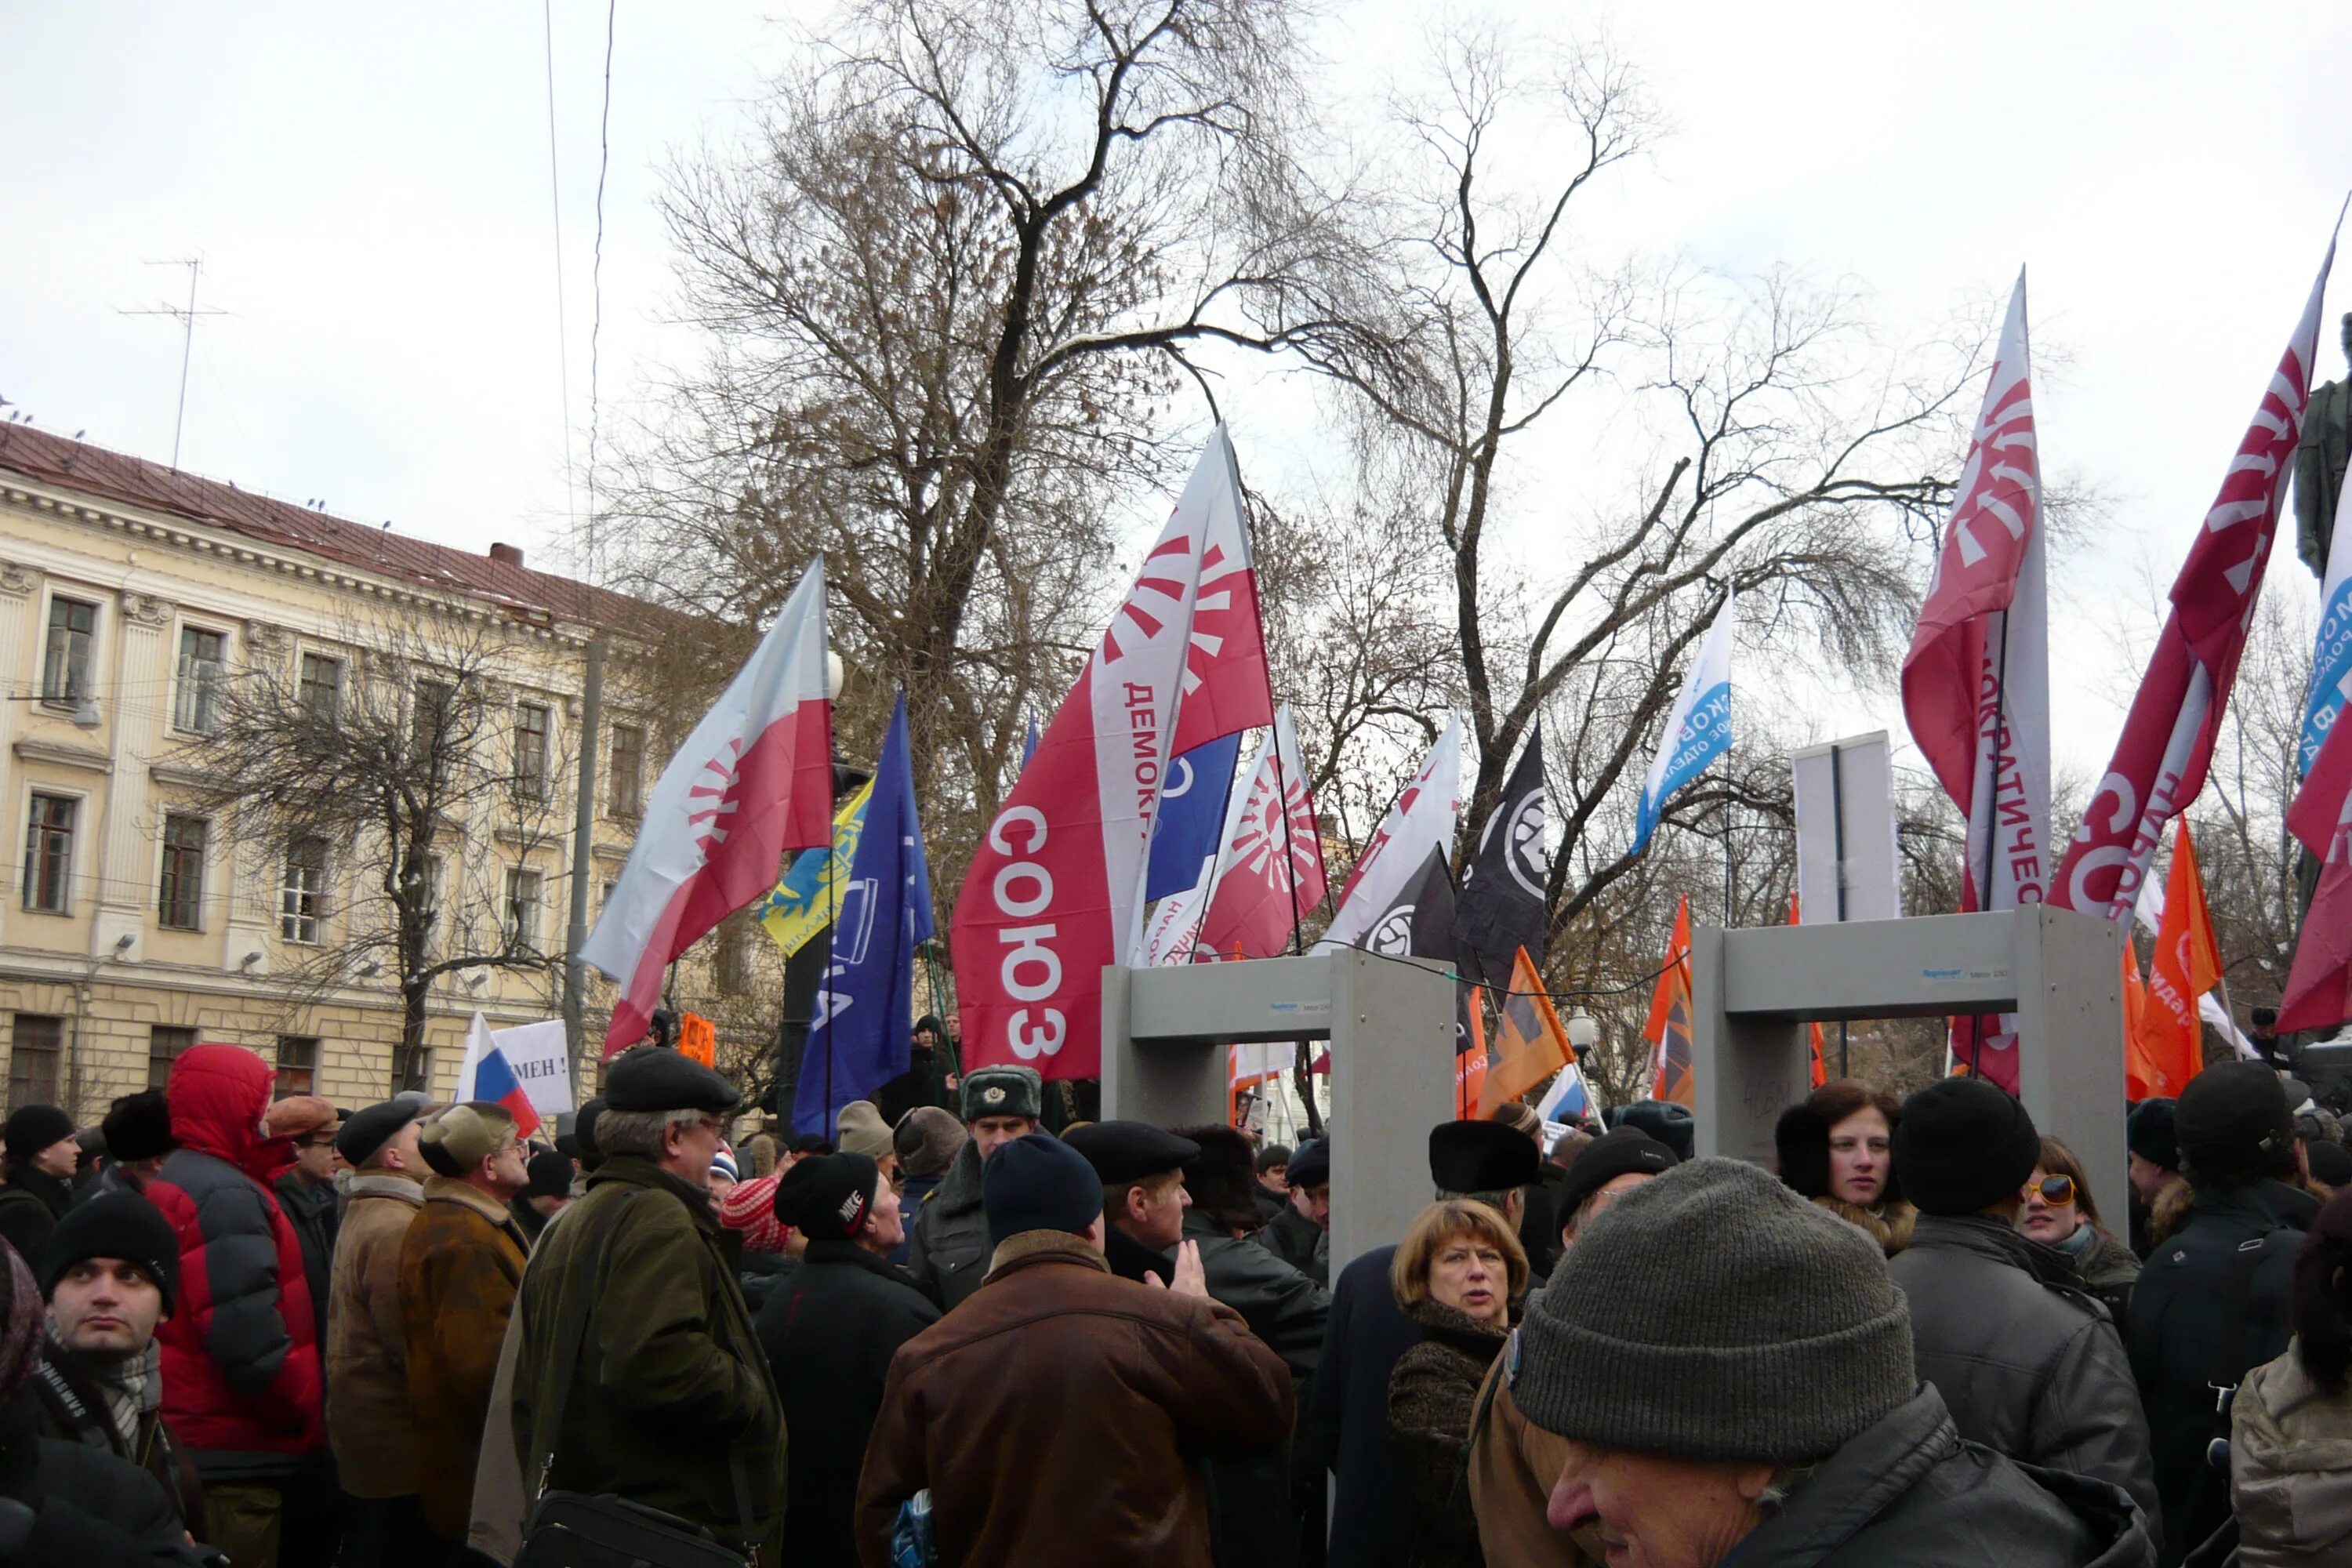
(1420, 924)
(1502, 907)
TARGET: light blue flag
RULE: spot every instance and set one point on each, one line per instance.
(859, 1039)
(2331, 662)
(1697, 730)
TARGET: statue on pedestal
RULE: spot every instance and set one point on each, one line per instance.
(2319, 464)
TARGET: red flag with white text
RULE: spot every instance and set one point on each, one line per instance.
(2319, 983)
(754, 780)
(2160, 762)
(1056, 890)
(1269, 871)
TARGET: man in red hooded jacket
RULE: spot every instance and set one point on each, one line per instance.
(241, 1382)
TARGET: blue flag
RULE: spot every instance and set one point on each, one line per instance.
(859, 1039)
(1192, 811)
(1697, 730)
(1029, 740)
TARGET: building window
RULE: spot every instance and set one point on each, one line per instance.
(628, 790)
(302, 894)
(49, 854)
(297, 1063)
(200, 673)
(430, 722)
(165, 1043)
(179, 904)
(35, 1042)
(522, 910)
(415, 1072)
(73, 634)
(320, 689)
(531, 751)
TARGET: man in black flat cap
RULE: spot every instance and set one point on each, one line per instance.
(1301, 1234)
(639, 1375)
(2212, 1301)
(829, 1331)
(1142, 1172)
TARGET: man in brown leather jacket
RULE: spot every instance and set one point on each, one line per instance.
(1059, 1414)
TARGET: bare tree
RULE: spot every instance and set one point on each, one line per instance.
(421, 777)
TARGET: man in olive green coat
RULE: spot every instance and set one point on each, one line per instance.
(670, 1403)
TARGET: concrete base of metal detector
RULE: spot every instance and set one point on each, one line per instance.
(1754, 991)
(1390, 1025)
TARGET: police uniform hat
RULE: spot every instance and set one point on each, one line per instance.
(365, 1132)
(1007, 1090)
(1481, 1157)
(1122, 1152)
(648, 1078)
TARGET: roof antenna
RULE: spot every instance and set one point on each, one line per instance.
(187, 320)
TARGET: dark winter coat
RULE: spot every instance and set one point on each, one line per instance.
(460, 1263)
(948, 1255)
(913, 1193)
(670, 1380)
(1061, 1415)
(2027, 1362)
(528, 1221)
(1299, 1242)
(74, 1409)
(925, 1082)
(91, 1510)
(31, 1204)
(1432, 1394)
(1907, 1492)
(829, 1332)
(2211, 1306)
(1345, 1426)
(761, 1275)
(1540, 1220)
(241, 1378)
(315, 1216)
(2109, 1270)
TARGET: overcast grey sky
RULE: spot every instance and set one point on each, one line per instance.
(369, 188)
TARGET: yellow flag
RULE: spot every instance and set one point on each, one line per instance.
(804, 900)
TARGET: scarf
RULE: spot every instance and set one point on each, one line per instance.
(2078, 1246)
(128, 1384)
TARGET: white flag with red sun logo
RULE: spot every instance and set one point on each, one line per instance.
(1270, 860)
(1056, 890)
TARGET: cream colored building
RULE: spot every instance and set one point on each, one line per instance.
(132, 925)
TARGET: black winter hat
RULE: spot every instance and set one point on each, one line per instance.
(826, 1197)
(1626, 1152)
(1219, 1177)
(371, 1128)
(1482, 1157)
(138, 1127)
(550, 1175)
(582, 1136)
(114, 1225)
(648, 1078)
(2232, 1120)
(1311, 1166)
(1669, 1123)
(1963, 1146)
(33, 1128)
(1801, 1138)
(1038, 1182)
(2149, 1134)
(2331, 1163)
(1130, 1151)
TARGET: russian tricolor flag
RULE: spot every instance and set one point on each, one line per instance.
(488, 1075)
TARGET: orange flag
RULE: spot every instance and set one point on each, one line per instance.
(1470, 1066)
(2187, 964)
(1529, 1043)
(1673, 1056)
(2136, 1085)
(698, 1038)
(1820, 1068)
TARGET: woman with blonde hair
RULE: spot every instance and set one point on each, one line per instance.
(1461, 1275)
(2060, 1213)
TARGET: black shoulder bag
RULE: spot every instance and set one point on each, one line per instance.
(574, 1529)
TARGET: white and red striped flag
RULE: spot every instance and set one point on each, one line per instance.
(1269, 870)
(2319, 983)
(1975, 683)
(1421, 819)
(754, 780)
(1056, 890)
(2160, 762)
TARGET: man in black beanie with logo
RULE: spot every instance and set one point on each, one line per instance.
(2027, 1362)
(2213, 1300)
(829, 1331)
(1061, 1414)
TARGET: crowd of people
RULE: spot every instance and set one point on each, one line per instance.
(271, 1332)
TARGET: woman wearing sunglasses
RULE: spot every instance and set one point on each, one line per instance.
(2060, 1212)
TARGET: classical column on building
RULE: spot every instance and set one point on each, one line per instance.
(133, 712)
(19, 585)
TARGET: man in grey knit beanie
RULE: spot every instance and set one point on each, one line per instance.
(1733, 1368)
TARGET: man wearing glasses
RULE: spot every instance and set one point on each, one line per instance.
(2027, 1362)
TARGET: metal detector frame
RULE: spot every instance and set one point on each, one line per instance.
(1754, 991)
(1390, 1025)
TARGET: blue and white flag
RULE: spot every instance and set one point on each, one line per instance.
(1191, 810)
(860, 1038)
(1697, 730)
(2331, 662)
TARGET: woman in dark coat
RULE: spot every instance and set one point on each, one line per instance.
(2060, 1212)
(1834, 1147)
(1460, 1275)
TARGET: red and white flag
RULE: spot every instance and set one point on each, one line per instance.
(1976, 684)
(2319, 983)
(1269, 870)
(2159, 764)
(1422, 820)
(754, 780)
(1056, 890)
